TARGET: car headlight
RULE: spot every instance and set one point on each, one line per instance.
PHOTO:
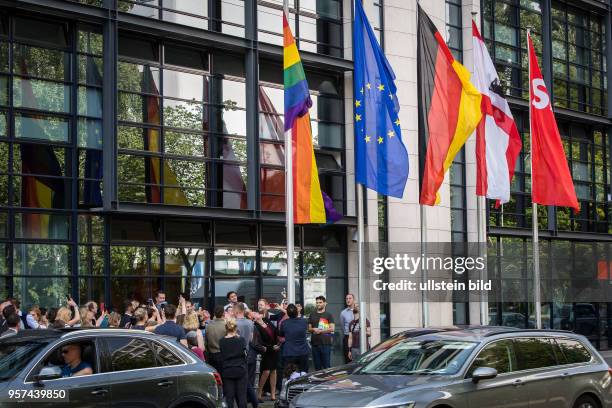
(283, 392)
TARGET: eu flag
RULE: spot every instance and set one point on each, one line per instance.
(381, 159)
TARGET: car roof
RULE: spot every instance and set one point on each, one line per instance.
(52, 334)
(77, 331)
(32, 335)
(480, 333)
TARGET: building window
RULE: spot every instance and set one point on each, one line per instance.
(50, 149)
(516, 213)
(317, 25)
(226, 16)
(578, 59)
(454, 38)
(583, 266)
(458, 201)
(182, 126)
(327, 118)
(587, 151)
(505, 23)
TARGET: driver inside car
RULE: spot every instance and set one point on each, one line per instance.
(75, 366)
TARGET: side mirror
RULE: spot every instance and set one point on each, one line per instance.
(483, 373)
(47, 373)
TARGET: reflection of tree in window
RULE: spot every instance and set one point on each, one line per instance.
(130, 354)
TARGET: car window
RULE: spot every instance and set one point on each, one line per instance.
(166, 357)
(441, 357)
(128, 353)
(14, 356)
(498, 355)
(535, 353)
(573, 352)
(74, 358)
(380, 348)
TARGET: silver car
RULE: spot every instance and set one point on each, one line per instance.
(474, 368)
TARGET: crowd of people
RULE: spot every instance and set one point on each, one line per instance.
(235, 340)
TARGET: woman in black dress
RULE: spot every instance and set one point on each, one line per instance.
(269, 359)
(234, 371)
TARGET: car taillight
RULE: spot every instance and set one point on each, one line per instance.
(218, 379)
(610, 371)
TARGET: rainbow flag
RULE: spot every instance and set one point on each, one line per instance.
(308, 205)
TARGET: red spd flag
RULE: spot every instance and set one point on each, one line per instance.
(551, 179)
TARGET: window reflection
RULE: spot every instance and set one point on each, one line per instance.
(49, 291)
(41, 259)
(121, 288)
(275, 289)
(319, 25)
(144, 8)
(167, 177)
(91, 260)
(234, 262)
(244, 287)
(91, 288)
(325, 135)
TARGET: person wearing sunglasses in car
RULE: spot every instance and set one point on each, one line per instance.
(75, 366)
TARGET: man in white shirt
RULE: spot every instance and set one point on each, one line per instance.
(346, 317)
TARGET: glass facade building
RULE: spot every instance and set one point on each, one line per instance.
(170, 100)
(571, 40)
(142, 149)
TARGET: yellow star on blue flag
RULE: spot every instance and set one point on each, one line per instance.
(381, 166)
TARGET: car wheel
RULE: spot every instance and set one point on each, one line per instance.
(586, 402)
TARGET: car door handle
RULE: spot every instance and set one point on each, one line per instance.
(99, 391)
(165, 383)
(518, 383)
(566, 375)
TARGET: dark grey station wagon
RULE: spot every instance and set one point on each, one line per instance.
(474, 368)
(130, 368)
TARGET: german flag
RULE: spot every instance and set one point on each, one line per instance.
(449, 108)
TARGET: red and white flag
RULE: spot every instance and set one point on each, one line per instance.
(498, 142)
(551, 179)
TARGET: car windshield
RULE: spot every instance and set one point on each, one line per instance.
(421, 357)
(380, 348)
(14, 356)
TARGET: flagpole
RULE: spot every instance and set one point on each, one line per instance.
(481, 225)
(424, 304)
(534, 211)
(423, 216)
(289, 202)
(363, 338)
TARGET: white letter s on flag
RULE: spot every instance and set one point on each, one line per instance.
(541, 99)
